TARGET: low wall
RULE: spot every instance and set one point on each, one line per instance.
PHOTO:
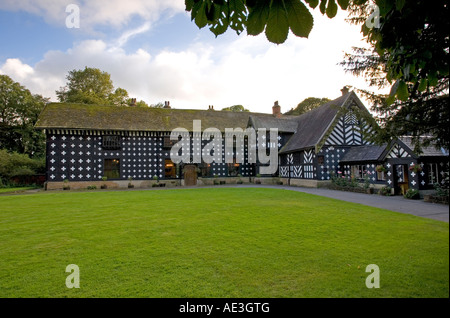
(308, 183)
(119, 184)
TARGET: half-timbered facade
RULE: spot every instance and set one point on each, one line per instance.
(86, 143)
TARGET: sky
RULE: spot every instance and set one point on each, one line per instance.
(152, 49)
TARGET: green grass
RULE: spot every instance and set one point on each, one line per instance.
(15, 189)
(215, 242)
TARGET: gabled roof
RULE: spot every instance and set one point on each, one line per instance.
(364, 153)
(429, 151)
(399, 148)
(125, 118)
(312, 126)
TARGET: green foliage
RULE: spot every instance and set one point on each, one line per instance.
(119, 97)
(13, 164)
(367, 181)
(236, 108)
(409, 54)
(276, 17)
(412, 194)
(307, 104)
(342, 181)
(92, 187)
(88, 86)
(442, 190)
(19, 111)
(157, 105)
(93, 86)
(386, 191)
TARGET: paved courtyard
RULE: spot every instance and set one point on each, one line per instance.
(393, 203)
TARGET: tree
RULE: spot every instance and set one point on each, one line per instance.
(409, 53)
(119, 97)
(19, 111)
(157, 105)
(88, 86)
(13, 164)
(93, 86)
(306, 105)
(275, 17)
(236, 108)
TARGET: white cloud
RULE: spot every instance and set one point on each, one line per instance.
(127, 35)
(111, 13)
(246, 70)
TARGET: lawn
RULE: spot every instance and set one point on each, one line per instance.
(215, 242)
(15, 189)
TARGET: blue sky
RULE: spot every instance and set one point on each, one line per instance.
(154, 51)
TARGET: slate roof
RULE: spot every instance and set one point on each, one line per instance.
(429, 151)
(287, 124)
(379, 152)
(364, 153)
(124, 118)
(311, 126)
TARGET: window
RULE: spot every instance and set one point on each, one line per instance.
(205, 169)
(433, 173)
(111, 142)
(381, 176)
(112, 168)
(233, 169)
(170, 169)
(358, 171)
(320, 160)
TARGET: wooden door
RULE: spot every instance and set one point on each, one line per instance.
(401, 183)
(190, 175)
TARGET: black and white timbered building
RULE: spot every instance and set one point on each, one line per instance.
(88, 142)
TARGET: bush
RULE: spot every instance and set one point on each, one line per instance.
(412, 194)
(92, 187)
(441, 190)
(14, 164)
(385, 191)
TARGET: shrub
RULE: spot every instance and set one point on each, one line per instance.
(380, 168)
(66, 185)
(441, 190)
(385, 191)
(92, 187)
(412, 194)
(14, 164)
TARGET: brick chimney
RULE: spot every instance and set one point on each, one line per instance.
(133, 102)
(344, 90)
(167, 104)
(276, 110)
(210, 107)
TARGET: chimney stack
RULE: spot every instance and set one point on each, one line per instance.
(133, 102)
(276, 110)
(166, 104)
(344, 90)
(210, 107)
